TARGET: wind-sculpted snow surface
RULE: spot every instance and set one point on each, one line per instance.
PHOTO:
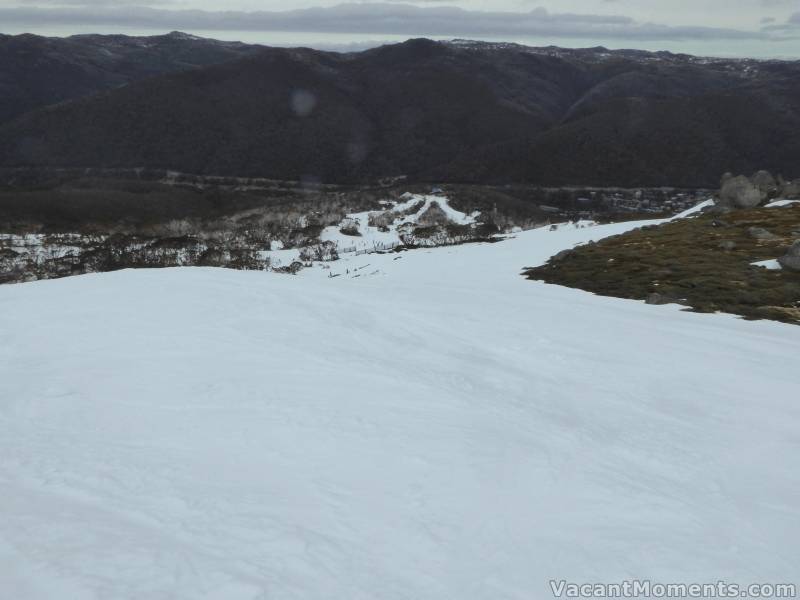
(441, 429)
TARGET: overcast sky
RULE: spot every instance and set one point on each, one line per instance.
(763, 28)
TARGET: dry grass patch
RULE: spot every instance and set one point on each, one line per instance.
(702, 262)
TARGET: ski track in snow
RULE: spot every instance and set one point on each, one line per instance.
(443, 429)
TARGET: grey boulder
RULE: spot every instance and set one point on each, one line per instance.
(764, 182)
(790, 189)
(791, 260)
(740, 192)
(762, 234)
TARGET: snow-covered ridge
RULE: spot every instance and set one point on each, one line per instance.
(747, 67)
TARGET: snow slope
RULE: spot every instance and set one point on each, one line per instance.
(696, 209)
(444, 429)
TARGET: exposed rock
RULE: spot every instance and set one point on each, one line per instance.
(790, 189)
(740, 192)
(561, 256)
(658, 298)
(727, 245)
(720, 223)
(791, 260)
(714, 208)
(765, 183)
(762, 234)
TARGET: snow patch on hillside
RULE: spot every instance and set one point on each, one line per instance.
(771, 264)
(697, 209)
(782, 203)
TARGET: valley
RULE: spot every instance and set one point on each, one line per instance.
(55, 223)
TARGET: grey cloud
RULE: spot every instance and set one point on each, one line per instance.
(410, 1)
(789, 27)
(383, 18)
(91, 3)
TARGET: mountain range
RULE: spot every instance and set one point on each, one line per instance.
(456, 111)
(37, 71)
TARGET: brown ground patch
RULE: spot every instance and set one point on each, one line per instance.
(691, 261)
